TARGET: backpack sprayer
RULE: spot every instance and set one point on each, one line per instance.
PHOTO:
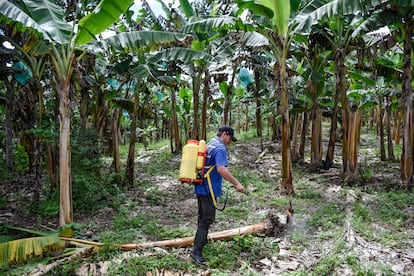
(192, 162)
(192, 167)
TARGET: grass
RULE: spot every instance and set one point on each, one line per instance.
(327, 216)
(152, 263)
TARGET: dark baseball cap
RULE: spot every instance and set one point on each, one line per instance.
(229, 131)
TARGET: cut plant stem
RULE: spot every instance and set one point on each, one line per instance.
(222, 235)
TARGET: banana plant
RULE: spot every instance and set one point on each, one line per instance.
(379, 13)
(397, 14)
(47, 19)
(278, 32)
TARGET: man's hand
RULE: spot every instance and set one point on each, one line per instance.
(240, 188)
(225, 173)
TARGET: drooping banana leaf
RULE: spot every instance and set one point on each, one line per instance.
(19, 251)
(104, 15)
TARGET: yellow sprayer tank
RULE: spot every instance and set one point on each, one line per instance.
(188, 166)
(201, 154)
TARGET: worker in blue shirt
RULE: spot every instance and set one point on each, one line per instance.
(217, 157)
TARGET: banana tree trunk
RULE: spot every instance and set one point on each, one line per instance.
(390, 145)
(66, 211)
(115, 140)
(84, 110)
(295, 133)
(380, 128)
(330, 153)
(101, 111)
(354, 124)
(8, 125)
(304, 130)
(196, 103)
(229, 97)
(286, 179)
(259, 125)
(51, 166)
(341, 89)
(174, 120)
(407, 98)
(206, 93)
(133, 137)
(316, 139)
(397, 127)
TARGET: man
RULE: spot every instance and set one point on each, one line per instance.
(216, 155)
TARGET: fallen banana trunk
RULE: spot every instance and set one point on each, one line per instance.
(222, 235)
(271, 226)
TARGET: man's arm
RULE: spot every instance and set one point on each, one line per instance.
(226, 174)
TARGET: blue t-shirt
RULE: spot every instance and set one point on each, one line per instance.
(216, 155)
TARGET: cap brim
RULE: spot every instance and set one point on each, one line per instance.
(234, 139)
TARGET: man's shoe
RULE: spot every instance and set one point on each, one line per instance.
(197, 259)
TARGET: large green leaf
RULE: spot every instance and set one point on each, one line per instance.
(182, 54)
(281, 13)
(135, 41)
(144, 71)
(217, 24)
(50, 17)
(253, 39)
(104, 15)
(187, 9)
(317, 10)
(43, 16)
(255, 8)
(14, 12)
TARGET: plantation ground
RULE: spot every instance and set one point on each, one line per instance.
(337, 230)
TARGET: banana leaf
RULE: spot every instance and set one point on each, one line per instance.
(21, 250)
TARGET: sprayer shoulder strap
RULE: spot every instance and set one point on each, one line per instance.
(211, 146)
(210, 169)
(210, 186)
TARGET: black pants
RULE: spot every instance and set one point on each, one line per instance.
(206, 216)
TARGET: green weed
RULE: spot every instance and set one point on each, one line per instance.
(21, 159)
(119, 237)
(152, 263)
(361, 212)
(300, 241)
(221, 254)
(105, 253)
(161, 162)
(328, 216)
(153, 195)
(308, 193)
(326, 265)
(391, 209)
